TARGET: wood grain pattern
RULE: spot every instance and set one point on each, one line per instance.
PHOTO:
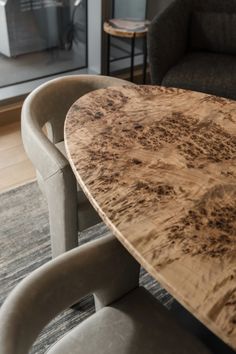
(159, 165)
(118, 32)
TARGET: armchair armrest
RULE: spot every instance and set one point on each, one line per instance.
(167, 39)
(44, 155)
(102, 267)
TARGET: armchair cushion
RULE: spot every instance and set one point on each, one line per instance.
(205, 72)
(136, 323)
(213, 31)
(207, 62)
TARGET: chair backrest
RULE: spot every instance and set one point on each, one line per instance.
(212, 26)
(214, 5)
(49, 103)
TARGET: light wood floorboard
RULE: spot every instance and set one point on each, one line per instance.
(15, 167)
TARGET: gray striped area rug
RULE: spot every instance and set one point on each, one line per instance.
(25, 245)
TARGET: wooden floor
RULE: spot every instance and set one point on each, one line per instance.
(15, 168)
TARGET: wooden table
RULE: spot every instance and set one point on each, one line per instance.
(159, 166)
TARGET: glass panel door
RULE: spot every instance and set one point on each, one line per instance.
(40, 38)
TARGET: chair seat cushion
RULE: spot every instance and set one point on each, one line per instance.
(136, 324)
(205, 72)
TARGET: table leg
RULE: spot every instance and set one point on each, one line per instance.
(108, 54)
(144, 59)
(132, 59)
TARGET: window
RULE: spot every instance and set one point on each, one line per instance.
(40, 38)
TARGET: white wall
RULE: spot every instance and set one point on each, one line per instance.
(94, 35)
(4, 38)
(130, 8)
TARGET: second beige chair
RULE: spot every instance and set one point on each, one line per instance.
(128, 319)
(69, 209)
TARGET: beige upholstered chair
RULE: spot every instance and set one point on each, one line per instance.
(128, 320)
(69, 209)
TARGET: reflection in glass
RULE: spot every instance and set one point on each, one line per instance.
(39, 38)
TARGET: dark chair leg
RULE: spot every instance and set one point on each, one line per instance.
(108, 54)
(144, 59)
(132, 59)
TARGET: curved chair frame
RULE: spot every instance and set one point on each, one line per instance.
(62, 282)
(47, 106)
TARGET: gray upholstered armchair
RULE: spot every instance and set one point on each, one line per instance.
(129, 320)
(192, 45)
(69, 209)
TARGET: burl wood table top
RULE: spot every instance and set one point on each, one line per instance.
(159, 166)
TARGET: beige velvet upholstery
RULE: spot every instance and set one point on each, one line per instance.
(128, 319)
(69, 212)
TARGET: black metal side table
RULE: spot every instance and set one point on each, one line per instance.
(128, 29)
